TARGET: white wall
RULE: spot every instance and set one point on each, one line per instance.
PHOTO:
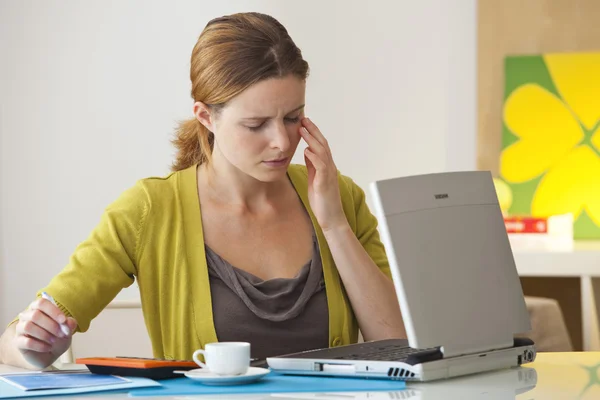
(90, 92)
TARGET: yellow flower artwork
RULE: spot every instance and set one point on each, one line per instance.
(551, 137)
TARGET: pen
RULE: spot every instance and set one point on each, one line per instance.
(63, 327)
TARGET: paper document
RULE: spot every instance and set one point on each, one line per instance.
(54, 380)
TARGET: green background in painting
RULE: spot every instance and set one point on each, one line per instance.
(520, 70)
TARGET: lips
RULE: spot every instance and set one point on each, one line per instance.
(276, 163)
(279, 160)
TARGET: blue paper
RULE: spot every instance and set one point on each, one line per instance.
(41, 381)
(272, 383)
(7, 391)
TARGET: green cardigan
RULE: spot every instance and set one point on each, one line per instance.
(153, 233)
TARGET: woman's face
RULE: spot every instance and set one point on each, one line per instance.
(257, 131)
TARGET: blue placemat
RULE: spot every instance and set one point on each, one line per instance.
(8, 391)
(272, 383)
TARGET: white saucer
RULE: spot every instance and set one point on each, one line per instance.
(210, 378)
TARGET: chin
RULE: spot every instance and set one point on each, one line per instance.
(272, 176)
(267, 174)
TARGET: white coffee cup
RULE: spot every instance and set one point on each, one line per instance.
(225, 358)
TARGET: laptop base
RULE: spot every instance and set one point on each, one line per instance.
(330, 362)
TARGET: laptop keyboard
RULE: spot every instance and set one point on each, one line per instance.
(380, 350)
(386, 353)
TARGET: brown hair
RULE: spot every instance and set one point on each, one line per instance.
(232, 53)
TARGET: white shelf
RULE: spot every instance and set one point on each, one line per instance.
(582, 260)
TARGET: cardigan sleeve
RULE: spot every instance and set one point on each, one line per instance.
(105, 263)
(366, 227)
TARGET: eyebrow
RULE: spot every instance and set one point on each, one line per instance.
(257, 118)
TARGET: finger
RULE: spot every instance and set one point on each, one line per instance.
(49, 309)
(72, 324)
(310, 168)
(29, 343)
(314, 159)
(42, 320)
(313, 143)
(315, 131)
(30, 329)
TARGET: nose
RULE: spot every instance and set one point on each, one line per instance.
(280, 138)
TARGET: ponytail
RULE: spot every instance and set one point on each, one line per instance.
(194, 144)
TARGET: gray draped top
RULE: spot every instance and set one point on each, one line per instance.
(277, 316)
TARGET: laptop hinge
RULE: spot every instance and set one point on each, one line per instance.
(453, 352)
(456, 351)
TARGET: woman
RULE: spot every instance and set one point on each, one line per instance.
(236, 243)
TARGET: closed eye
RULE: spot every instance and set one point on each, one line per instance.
(292, 120)
(256, 128)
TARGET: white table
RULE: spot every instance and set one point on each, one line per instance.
(561, 376)
(582, 262)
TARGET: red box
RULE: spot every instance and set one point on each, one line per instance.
(526, 224)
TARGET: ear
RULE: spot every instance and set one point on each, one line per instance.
(203, 114)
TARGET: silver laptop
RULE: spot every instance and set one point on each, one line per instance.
(456, 283)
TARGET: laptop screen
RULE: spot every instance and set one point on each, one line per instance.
(451, 261)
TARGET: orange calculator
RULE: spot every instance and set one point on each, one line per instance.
(132, 366)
